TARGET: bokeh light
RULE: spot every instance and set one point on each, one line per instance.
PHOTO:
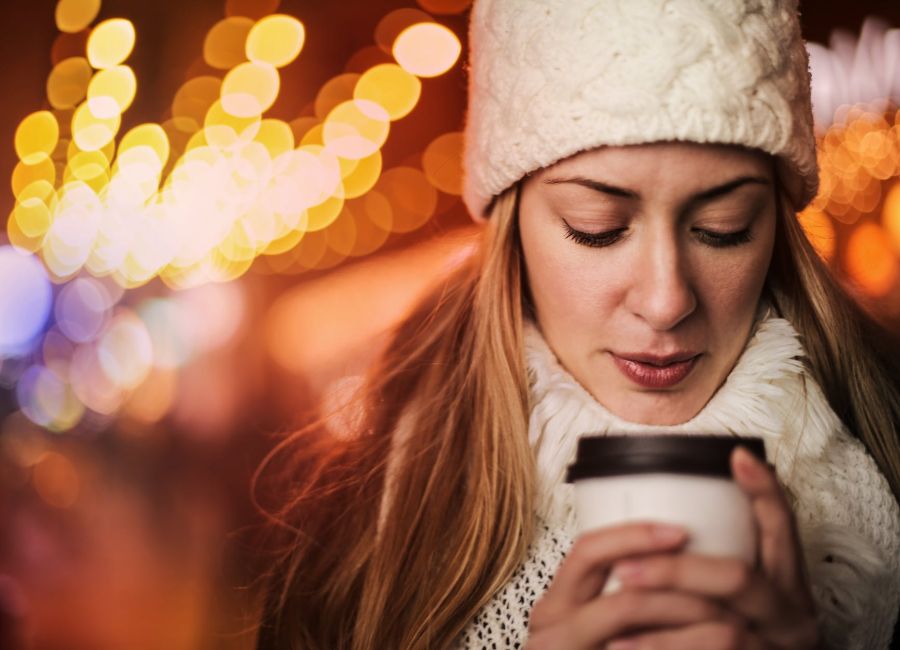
(110, 43)
(68, 82)
(275, 40)
(225, 44)
(82, 309)
(871, 260)
(111, 91)
(413, 199)
(356, 129)
(72, 16)
(427, 49)
(47, 399)
(25, 300)
(442, 162)
(249, 89)
(391, 87)
(36, 137)
(125, 350)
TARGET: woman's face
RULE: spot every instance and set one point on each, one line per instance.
(645, 265)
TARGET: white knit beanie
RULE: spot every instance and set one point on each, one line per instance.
(551, 78)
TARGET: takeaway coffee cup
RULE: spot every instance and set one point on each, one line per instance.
(674, 479)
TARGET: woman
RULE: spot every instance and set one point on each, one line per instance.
(640, 165)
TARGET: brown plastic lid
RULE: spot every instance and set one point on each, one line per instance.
(615, 455)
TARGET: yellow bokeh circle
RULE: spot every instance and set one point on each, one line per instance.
(111, 91)
(36, 137)
(147, 135)
(391, 87)
(275, 40)
(356, 129)
(110, 43)
(91, 132)
(250, 89)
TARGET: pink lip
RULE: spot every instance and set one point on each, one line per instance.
(652, 371)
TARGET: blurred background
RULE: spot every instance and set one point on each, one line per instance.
(214, 211)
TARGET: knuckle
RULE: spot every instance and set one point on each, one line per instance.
(625, 603)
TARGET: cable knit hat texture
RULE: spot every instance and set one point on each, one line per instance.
(551, 78)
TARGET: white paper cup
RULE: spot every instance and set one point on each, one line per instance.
(674, 479)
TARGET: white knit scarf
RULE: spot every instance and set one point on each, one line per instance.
(768, 394)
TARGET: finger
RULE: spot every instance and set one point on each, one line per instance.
(702, 636)
(607, 617)
(746, 591)
(593, 552)
(778, 541)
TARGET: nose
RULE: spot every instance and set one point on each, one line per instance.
(661, 292)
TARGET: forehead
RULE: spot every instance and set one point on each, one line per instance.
(683, 166)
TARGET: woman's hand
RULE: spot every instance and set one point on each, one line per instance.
(571, 616)
(682, 600)
(773, 603)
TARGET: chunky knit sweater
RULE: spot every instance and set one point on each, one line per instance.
(849, 522)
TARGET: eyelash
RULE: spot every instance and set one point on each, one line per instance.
(713, 239)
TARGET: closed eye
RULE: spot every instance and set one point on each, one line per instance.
(724, 239)
(594, 239)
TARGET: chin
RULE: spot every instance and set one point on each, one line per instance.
(656, 410)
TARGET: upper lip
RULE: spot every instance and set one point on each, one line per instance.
(658, 359)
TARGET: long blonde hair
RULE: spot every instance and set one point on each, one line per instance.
(459, 514)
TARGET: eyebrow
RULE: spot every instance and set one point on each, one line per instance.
(621, 192)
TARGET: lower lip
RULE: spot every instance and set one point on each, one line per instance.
(650, 376)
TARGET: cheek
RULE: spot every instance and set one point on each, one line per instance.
(566, 287)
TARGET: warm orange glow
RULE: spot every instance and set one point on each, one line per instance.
(363, 176)
(819, 230)
(224, 46)
(56, 480)
(194, 98)
(427, 49)
(254, 9)
(24, 175)
(67, 83)
(413, 199)
(74, 15)
(442, 162)
(445, 6)
(890, 216)
(390, 27)
(870, 259)
(333, 92)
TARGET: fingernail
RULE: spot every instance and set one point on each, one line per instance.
(622, 644)
(667, 534)
(628, 571)
(746, 463)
